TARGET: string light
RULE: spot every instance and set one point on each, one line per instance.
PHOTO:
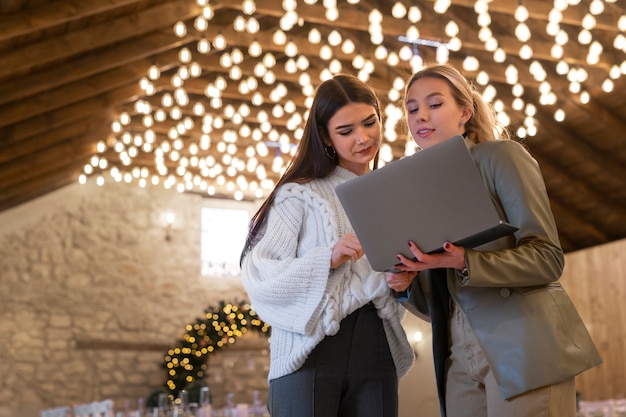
(181, 130)
(219, 327)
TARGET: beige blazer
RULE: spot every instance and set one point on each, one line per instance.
(524, 321)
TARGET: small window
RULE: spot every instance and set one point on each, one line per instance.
(224, 233)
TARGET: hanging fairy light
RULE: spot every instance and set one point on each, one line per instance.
(170, 101)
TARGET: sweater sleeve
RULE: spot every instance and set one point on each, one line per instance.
(287, 288)
(515, 180)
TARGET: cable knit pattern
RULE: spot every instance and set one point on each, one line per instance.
(287, 277)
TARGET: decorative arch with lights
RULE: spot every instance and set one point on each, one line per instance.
(219, 327)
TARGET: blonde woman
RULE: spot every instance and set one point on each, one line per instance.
(507, 340)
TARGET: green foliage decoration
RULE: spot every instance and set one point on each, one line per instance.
(219, 327)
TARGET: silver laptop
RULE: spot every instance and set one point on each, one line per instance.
(433, 196)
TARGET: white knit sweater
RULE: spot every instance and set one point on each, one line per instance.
(288, 278)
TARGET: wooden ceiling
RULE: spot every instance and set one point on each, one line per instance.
(70, 68)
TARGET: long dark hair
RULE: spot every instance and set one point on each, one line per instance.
(311, 160)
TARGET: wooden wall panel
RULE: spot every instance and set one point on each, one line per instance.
(595, 278)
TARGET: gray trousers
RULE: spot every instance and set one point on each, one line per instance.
(350, 374)
(472, 391)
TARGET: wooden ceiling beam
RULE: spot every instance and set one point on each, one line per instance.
(601, 114)
(252, 120)
(146, 160)
(496, 71)
(540, 10)
(303, 42)
(587, 153)
(234, 94)
(44, 173)
(67, 95)
(49, 51)
(243, 40)
(358, 20)
(22, 170)
(46, 182)
(553, 137)
(48, 15)
(18, 110)
(161, 45)
(541, 44)
(75, 113)
(94, 126)
(604, 207)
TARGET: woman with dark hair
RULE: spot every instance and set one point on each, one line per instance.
(507, 340)
(337, 346)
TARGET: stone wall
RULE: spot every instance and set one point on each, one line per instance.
(92, 295)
